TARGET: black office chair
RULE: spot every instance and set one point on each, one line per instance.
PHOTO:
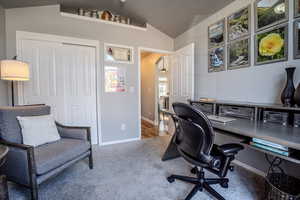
(195, 143)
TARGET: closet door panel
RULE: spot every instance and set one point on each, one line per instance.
(63, 77)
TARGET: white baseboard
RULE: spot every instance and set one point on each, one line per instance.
(148, 120)
(250, 168)
(120, 141)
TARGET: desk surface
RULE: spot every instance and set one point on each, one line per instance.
(286, 136)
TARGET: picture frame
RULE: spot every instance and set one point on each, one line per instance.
(216, 34)
(239, 58)
(266, 17)
(271, 45)
(216, 59)
(296, 47)
(296, 8)
(118, 53)
(239, 24)
(115, 79)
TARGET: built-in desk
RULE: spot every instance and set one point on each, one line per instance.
(245, 130)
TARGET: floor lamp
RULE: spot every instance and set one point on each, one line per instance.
(14, 70)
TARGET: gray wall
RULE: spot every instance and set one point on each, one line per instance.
(116, 109)
(256, 83)
(3, 84)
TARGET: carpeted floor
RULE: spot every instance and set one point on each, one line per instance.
(134, 171)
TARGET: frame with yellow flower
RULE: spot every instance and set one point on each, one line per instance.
(271, 45)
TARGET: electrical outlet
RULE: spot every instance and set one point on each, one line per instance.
(123, 127)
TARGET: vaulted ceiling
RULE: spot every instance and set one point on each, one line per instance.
(172, 17)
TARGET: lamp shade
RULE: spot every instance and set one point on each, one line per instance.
(14, 70)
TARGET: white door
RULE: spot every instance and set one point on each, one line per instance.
(64, 77)
(182, 74)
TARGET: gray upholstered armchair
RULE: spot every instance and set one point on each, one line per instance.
(29, 166)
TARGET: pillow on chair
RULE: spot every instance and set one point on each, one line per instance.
(38, 130)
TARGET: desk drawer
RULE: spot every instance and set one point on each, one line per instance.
(276, 117)
(204, 107)
(238, 112)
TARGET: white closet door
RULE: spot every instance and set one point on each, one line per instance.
(64, 77)
(182, 74)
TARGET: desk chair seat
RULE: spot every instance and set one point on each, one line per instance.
(194, 137)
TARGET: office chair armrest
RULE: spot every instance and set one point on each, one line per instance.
(230, 149)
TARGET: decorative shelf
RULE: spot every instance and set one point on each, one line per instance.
(75, 16)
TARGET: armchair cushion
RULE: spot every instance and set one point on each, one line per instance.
(53, 155)
(9, 127)
(38, 130)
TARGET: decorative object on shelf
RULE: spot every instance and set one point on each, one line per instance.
(118, 53)
(81, 12)
(270, 12)
(94, 14)
(115, 79)
(239, 24)
(297, 96)
(297, 39)
(239, 54)
(296, 8)
(87, 13)
(287, 95)
(106, 15)
(216, 34)
(14, 70)
(216, 59)
(271, 45)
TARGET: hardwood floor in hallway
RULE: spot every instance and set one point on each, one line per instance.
(149, 130)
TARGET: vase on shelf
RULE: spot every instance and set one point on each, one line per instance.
(287, 95)
(297, 96)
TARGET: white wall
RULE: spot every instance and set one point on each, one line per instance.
(117, 109)
(3, 84)
(255, 84)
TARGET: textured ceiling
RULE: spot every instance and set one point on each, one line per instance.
(172, 17)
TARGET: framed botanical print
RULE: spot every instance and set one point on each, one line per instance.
(271, 45)
(118, 53)
(238, 24)
(238, 54)
(296, 8)
(216, 34)
(269, 13)
(216, 59)
(297, 39)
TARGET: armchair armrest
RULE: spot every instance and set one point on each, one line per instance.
(20, 163)
(74, 132)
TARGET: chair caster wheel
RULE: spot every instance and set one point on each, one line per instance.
(170, 179)
(231, 168)
(224, 184)
(194, 170)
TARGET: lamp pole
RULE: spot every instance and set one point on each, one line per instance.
(12, 94)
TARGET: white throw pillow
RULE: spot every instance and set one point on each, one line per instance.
(38, 130)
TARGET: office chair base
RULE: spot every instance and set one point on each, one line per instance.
(201, 183)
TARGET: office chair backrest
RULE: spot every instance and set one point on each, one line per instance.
(195, 135)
